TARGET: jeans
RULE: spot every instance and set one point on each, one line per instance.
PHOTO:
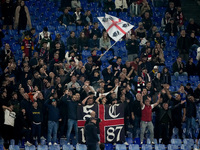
(149, 126)
(190, 124)
(97, 147)
(136, 125)
(72, 123)
(52, 129)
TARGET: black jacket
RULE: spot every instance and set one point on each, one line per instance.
(66, 19)
(91, 134)
(171, 28)
(183, 44)
(132, 49)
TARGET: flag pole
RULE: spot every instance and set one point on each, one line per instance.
(108, 49)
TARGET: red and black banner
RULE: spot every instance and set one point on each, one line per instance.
(111, 125)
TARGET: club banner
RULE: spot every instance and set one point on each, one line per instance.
(111, 125)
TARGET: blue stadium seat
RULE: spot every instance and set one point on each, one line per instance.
(54, 147)
(188, 141)
(14, 147)
(159, 147)
(32, 147)
(42, 147)
(1, 147)
(186, 147)
(194, 78)
(120, 147)
(108, 147)
(146, 147)
(176, 141)
(81, 147)
(134, 147)
(71, 28)
(176, 83)
(172, 147)
(12, 142)
(182, 78)
(67, 147)
(129, 140)
(61, 29)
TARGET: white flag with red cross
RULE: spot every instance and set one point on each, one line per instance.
(115, 27)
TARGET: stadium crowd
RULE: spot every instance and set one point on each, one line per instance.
(40, 93)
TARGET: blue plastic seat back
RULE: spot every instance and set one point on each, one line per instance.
(120, 147)
(108, 147)
(146, 147)
(67, 147)
(81, 147)
(172, 147)
(134, 147)
(159, 147)
(176, 141)
(14, 147)
(42, 147)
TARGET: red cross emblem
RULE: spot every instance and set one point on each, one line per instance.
(115, 23)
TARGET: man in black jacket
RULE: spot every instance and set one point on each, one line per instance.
(66, 19)
(91, 134)
(164, 119)
(183, 45)
(132, 47)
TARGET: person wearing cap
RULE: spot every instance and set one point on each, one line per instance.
(146, 118)
(53, 120)
(154, 72)
(91, 133)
